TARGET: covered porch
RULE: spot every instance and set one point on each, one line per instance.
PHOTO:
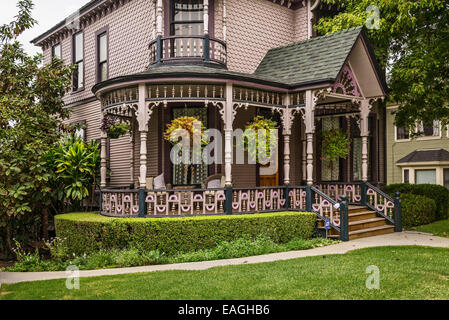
(302, 98)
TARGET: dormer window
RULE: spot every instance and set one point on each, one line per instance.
(187, 18)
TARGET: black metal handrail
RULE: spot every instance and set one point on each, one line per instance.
(188, 48)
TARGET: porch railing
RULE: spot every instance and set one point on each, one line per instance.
(188, 48)
(326, 200)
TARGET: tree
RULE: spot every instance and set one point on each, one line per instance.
(31, 110)
(411, 40)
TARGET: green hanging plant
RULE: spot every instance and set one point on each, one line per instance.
(118, 130)
(335, 146)
(251, 138)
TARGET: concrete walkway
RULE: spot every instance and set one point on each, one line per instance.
(394, 239)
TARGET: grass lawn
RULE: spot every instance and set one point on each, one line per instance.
(439, 228)
(405, 273)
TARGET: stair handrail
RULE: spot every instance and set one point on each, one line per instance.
(342, 207)
(383, 194)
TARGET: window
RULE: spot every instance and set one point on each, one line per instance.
(187, 18)
(429, 129)
(406, 176)
(56, 51)
(78, 60)
(446, 177)
(102, 56)
(426, 176)
(402, 133)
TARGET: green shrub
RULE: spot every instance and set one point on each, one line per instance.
(417, 210)
(436, 192)
(90, 232)
(134, 257)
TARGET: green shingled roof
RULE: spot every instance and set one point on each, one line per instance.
(316, 60)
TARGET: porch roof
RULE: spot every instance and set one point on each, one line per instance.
(316, 60)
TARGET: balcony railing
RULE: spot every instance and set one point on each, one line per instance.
(188, 48)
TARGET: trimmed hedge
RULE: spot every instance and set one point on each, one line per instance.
(436, 192)
(90, 232)
(417, 210)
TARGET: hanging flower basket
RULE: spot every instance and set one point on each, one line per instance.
(114, 128)
(335, 146)
(190, 126)
(251, 139)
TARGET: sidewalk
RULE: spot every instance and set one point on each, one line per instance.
(394, 239)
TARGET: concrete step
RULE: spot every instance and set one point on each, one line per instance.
(370, 232)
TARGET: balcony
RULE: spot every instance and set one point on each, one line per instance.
(188, 49)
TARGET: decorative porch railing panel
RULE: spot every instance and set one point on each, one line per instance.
(381, 202)
(326, 208)
(298, 197)
(246, 200)
(184, 202)
(120, 202)
(352, 191)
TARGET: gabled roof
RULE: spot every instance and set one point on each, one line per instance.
(439, 155)
(316, 60)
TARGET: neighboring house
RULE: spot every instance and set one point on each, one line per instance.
(225, 61)
(419, 159)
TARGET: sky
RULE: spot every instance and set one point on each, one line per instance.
(47, 13)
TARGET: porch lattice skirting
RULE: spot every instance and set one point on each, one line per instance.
(327, 200)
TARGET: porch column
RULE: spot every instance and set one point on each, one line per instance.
(206, 16)
(287, 119)
(131, 154)
(159, 18)
(228, 120)
(309, 120)
(143, 117)
(103, 161)
(365, 109)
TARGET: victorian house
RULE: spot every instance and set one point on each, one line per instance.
(147, 62)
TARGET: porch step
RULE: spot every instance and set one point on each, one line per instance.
(361, 215)
(366, 224)
(362, 223)
(371, 232)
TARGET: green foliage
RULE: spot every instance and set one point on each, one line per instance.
(31, 109)
(89, 232)
(412, 42)
(336, 145)
(436, 192)
(77, 165)
(257, 133)
(118, 130)
(134, 257)
(438, 228)
(417, 210)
